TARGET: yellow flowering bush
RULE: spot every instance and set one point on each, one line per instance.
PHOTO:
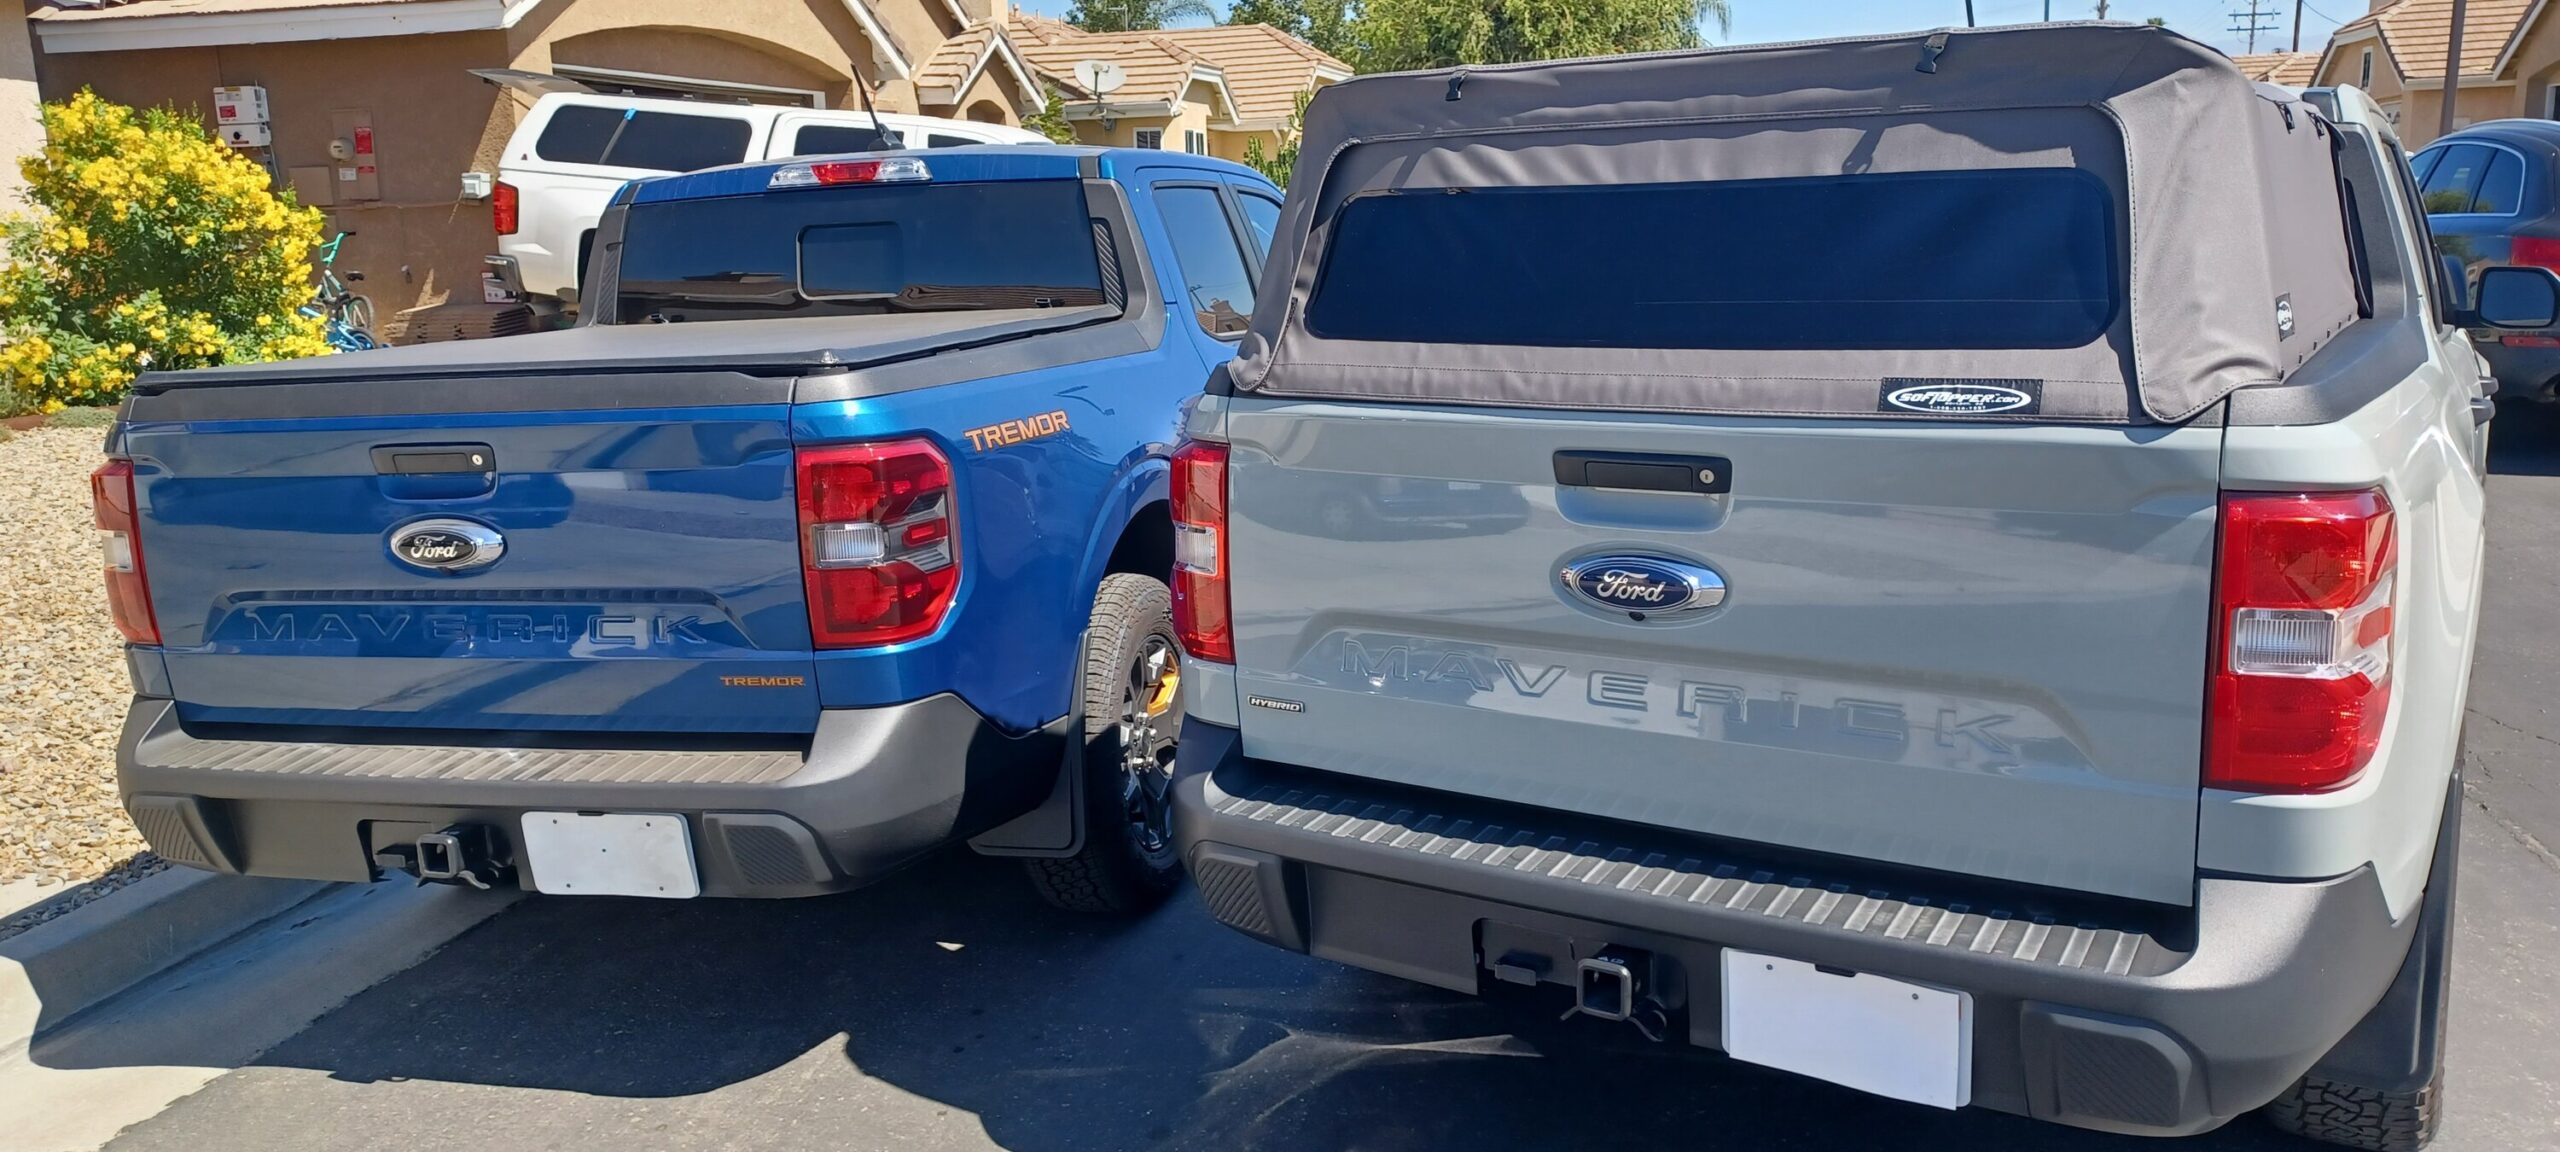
(150, 245)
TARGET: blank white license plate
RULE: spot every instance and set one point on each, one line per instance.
(1879, 1035)
(610, 854)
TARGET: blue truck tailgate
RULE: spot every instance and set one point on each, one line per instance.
(650, 565)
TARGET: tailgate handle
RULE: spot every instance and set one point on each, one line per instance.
(1644, 472)
(433, 459)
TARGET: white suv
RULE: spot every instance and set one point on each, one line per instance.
(574, 149)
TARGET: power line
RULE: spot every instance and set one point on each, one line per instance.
(2257, 19)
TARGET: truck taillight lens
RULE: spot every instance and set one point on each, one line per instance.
(2302, 640)
(877, 542)
(1200, 552)
(128, 589)
(503, 204)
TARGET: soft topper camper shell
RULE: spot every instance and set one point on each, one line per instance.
(2231, 249)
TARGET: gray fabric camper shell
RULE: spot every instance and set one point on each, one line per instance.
(2080, 222)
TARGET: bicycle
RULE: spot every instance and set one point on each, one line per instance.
(346, 316)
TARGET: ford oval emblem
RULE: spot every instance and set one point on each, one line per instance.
(1644, 587)
(447, 545)
(1954, 398)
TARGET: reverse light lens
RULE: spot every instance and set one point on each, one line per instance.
(1200, 591)
(111, 504)
(887, 170)
(879, 551)
(2303, 622)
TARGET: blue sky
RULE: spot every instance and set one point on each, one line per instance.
(1761, 21)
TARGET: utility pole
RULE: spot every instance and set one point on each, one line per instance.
(1968, 13)
(2452, 70)
(2253, 22)
(2297, 25)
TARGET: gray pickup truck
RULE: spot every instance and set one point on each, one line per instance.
(1989, 592)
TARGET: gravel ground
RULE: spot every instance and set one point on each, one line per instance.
(62, 681)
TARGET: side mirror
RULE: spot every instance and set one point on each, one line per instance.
(2515, 297)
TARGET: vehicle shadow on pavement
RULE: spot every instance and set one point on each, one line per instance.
(952, 983)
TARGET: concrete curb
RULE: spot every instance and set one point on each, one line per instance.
(55, 969)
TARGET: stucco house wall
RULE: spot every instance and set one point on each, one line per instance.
(21, 131)
(431, 122)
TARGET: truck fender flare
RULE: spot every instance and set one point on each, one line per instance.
(1056, 828)
(1149, 480)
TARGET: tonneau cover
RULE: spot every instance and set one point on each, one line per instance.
(2226, 194)
(780, 345)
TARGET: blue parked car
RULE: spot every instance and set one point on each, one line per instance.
(837, 533)
(2492, 195)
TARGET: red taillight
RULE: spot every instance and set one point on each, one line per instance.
(878, 548)
(2537, 251)
(1200, 552)
(2512, 340)
(2302, 640)
(502, 208)
(128, 588)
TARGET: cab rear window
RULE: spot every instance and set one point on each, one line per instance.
(859, 250)
(2017, 258)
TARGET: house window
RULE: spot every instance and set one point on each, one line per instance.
(1149, 137)
(1195, 143)
(2551, 102)
(2364, 73)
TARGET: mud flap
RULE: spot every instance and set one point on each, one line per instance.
(2398, 1046)
(1055, 829)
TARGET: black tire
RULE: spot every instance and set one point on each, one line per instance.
(2371, 1118)
(2396, 1118)
(1128, 864)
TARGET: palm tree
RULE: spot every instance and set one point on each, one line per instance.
(1138, 15)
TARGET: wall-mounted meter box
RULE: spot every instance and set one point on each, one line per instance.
(242, 104)
(247, 136)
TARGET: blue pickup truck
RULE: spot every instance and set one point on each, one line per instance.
(836, 534)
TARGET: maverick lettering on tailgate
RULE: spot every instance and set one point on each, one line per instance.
(1728, 705)
(405, 631)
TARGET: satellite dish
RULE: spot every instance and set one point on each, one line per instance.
(1100, 77)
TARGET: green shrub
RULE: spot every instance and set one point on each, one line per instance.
(151, 245)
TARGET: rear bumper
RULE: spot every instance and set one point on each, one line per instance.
(2126, 1018)
(874, 789)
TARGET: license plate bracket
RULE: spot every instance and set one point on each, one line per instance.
(1876, 1034)
(611, 854)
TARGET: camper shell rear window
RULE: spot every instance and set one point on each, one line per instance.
(2014, 258)
(633, 138)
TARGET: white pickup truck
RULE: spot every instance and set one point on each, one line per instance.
(573, 149)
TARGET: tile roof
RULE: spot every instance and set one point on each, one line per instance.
(77, 10)
(1158, 69)
(2292, 69)
(2416, 33)
(949, 66)
(1266, 68)
(1262, 67)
